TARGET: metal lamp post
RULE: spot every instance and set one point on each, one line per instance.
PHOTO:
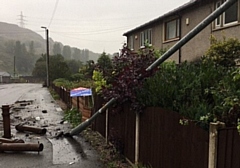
(47, 59)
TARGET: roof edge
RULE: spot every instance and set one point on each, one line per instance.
(182, 7)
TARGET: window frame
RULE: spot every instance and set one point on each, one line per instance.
(217, 5)
(145, 35)
(222, 17)
(233, 22)
(176, 29)
(131, 42)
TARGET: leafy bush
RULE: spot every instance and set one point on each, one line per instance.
(128, 74)
(73, 116)
(224, 52)
(99, 81)
(73, 84)
(205, 91)
(54, 94)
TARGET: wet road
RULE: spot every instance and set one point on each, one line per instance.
(57, 153)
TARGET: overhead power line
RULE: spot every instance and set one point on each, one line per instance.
(54, 10)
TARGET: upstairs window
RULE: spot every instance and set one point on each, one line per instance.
(131, 43)
(218, 21)
(146, 37)
(172, 29)
(230, 16)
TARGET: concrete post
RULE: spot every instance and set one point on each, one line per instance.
(137, 139)
(213, 143)
(106, 129)
(6, 121)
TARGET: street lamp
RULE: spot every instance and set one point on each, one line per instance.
(47, 59)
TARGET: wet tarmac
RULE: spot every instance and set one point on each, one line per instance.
(32, 105)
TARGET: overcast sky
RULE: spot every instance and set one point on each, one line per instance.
(97, 25)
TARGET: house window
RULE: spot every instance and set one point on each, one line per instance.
(218, 20)
(131, 43)
(230, 16)
(146, 37)
(172, 29)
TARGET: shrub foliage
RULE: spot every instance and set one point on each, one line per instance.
(205, 91)
(127, 76)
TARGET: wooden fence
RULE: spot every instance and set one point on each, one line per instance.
(228, 148)
(163, 142)
(79, 103)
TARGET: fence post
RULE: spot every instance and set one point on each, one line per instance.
(78, 104)
(106, 129)
(213, 143)
(137, 139)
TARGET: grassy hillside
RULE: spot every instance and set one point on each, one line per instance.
(16, 33)
(10, 33)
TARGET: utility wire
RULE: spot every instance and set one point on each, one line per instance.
(70, 37)
(100, 31)
(55, 8)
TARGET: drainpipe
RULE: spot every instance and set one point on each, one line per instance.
(180, 36)
(208, 20)
(6, 121)
(21, 147)
(5, 140)
(23, 128)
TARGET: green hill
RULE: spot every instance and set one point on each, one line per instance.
(26, 55)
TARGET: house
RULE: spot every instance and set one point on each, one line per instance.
(164, 31)
(5, 77)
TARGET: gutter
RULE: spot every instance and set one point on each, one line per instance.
(181, 8)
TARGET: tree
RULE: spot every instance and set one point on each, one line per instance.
(88, 69)
(31, 48)
(76, 54)
(129, 72)
(57, 49)
(84, 56)
(58, 68)
(74, 65)
(66, 52)
(104, 64)
(9, 47)
(40, 67)
(20, 53)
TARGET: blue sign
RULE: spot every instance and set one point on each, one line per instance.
(80, 92)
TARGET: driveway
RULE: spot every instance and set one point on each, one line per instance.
(37, 108)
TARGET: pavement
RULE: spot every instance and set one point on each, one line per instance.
(36, 107)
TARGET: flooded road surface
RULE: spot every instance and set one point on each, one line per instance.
(33, 105)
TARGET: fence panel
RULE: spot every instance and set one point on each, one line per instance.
(228, 148)
(164, 143)
(122, 129)
(99, 124)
